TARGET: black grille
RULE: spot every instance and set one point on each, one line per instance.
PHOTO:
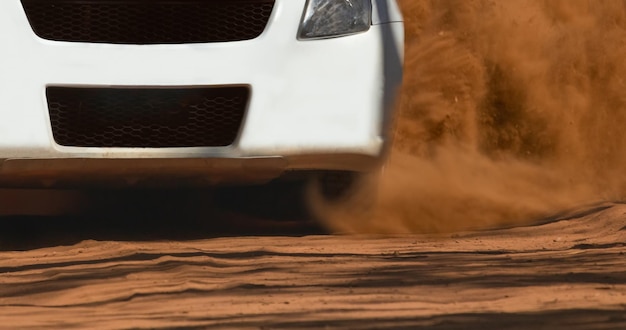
(148, 118)
(148, 21)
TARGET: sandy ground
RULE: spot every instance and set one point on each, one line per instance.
(567, 272)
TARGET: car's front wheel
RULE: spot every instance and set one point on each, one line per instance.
(338, 198)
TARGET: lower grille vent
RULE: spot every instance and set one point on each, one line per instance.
(146, 118)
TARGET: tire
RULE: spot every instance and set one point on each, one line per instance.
(337, 198)
(330, 200)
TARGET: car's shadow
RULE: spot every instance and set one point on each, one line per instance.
(164, 214)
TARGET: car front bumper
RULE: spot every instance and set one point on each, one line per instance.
(322, 104)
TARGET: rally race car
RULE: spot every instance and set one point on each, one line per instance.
(140, 93)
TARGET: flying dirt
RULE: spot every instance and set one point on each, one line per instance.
(511, 111)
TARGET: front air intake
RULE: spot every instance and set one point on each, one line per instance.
(148, 21)
(146, 117)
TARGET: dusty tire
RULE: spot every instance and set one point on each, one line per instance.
(337, 198)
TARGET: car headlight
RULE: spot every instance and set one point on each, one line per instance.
(333, 18)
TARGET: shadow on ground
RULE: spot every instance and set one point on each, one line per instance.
(583, 319)
(165, 214)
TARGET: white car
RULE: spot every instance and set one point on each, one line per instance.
(146, 92)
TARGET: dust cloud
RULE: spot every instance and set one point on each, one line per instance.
(511, 111)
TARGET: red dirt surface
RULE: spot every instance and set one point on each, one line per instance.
(568, 272)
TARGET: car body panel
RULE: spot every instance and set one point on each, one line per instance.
(308, 98)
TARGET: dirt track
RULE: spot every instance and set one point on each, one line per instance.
(566, 273)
